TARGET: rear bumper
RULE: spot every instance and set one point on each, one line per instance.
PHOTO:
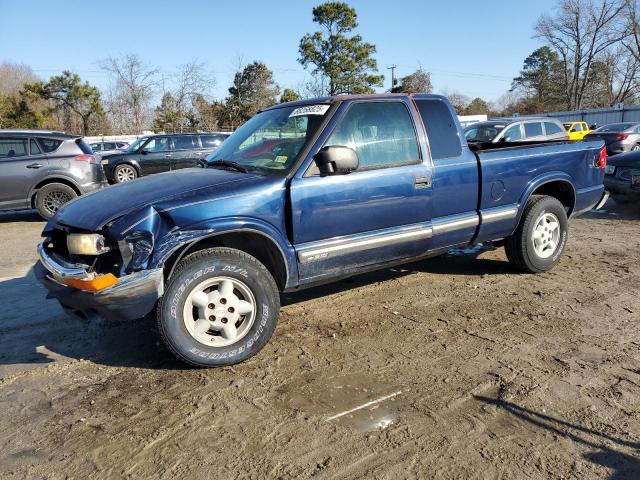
(619, 186)
(133, 297)
(93, 186)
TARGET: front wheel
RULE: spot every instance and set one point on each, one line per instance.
(220, 307)
(124, 173)
(541, 236)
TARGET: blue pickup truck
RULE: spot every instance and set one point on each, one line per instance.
(306, 193)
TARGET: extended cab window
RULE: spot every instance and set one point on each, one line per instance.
(442, 132)
(533, 129)
(13, 147)
(381, 133)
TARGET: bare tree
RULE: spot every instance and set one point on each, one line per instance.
(13, 76)
(581, 31)
(133, 87)
(193, 84)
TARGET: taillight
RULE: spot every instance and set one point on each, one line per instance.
(86, 158)
(622, 136)
(602, 158)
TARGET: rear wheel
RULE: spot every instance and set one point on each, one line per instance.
(538, 242)
(636, 147)
(124, 173)
(220, 307)
(51, 197)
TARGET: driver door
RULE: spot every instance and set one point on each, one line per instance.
(155, 156)
(380, 212)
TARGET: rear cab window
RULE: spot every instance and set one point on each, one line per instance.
(441, 128)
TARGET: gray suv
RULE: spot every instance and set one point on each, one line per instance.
(44, 170)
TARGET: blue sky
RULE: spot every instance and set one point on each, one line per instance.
(472, 47)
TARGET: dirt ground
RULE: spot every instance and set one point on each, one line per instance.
(466, 368)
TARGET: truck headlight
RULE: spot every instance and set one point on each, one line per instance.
(86, 244)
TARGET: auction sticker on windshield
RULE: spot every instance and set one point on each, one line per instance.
(309, 110)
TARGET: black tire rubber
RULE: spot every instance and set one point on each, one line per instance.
(194, 269)
(120, 167)
(47, 190)
(519, 246)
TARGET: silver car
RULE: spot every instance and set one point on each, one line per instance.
(514, 130)
(44, 170)
(618, 137)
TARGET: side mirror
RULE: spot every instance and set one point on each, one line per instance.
(144, 152)
(593, 127)
(336, 160)
(505, 139)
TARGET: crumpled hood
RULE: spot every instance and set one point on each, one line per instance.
(631, 159)
(91, 212)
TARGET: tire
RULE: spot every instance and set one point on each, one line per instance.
(203, 336)
(635, 148)
(539, 254)
(51, 197)
(124, 172)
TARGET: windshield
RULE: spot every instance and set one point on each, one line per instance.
(272, 140)
(137, 144)
(483, 132)
(615, 127)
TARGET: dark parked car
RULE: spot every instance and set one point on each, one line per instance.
(622, 174)
(108, 146)
(44, 170)
(510, 130)
(618, 137)
(160, 153)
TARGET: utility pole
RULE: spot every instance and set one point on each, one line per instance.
(393, 75)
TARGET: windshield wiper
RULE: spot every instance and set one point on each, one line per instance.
(228, 164)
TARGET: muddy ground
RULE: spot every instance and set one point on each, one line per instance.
(470, 370)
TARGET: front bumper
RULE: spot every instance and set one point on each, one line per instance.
(133, 297)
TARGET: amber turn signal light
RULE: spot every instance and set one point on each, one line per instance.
(95, 285)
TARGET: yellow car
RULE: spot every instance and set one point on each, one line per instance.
(577, 130)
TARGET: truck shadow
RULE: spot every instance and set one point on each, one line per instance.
(21, 216)
(623, 465)
(35, 330)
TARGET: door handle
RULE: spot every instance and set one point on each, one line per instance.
(167, 155)
(423, 182)
(35, 165)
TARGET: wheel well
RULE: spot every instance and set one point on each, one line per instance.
(130, 164)
(561, 190)
(255, 244)
(47, 182)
